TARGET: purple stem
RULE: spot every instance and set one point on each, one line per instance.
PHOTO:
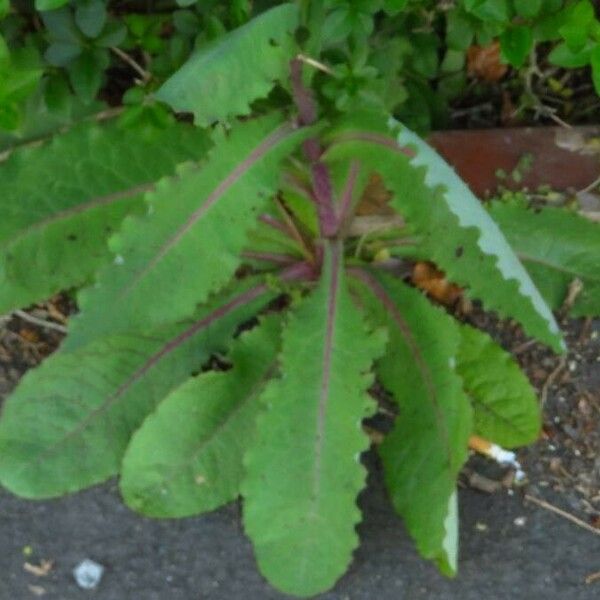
(274, 223)
(346, 200)
(322, 195)
(272, 257)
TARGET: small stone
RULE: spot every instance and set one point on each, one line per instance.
(520, 521)
(88, 574)
(481, 526)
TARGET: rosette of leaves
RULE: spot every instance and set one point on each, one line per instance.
(188, 236)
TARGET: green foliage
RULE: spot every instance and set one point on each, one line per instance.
(505, 408)
(187, 456)
(425, 451)
(63, 199)
(304, 472)
(235, 302)
(214, 83)
(69, 423)
(557, 247)
(233, 186)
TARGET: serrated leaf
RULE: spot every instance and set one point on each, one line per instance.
(454, 229)
(223, 78)
(187, 456)
(188, 244)
(68, 423)
(61, 200)
(556, 246)
(505, 406)
(304, 471)
(427, 447)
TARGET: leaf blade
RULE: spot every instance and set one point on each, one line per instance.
(427, 447)
(303, 472)
(505, 407)
(155, 278)
(557, 247)
(454, 230)
(214, 84)
(187, 456)
(62, 200)
(68, 423)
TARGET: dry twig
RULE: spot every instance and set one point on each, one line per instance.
(562, 513)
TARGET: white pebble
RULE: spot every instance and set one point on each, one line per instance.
(520, 521)
(88, 574)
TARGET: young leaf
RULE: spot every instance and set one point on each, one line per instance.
(223, 78)
(505, 407)
(69, 422)
(557, 247)
(425, 451)
(455, 231)
(187, 456)
(304, 471)
(188, 244)
(61, 200)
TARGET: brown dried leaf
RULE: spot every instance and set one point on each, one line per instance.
(429, 279)
(375, 198)
(483, 62)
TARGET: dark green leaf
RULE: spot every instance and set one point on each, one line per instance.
(86, 73)
(90, 16)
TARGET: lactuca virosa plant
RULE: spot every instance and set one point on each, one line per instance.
(247, 239)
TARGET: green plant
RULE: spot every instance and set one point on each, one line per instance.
(244, 238)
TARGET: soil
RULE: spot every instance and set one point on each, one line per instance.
(510, 547)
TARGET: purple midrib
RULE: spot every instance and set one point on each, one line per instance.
(272, 140)
(324, 389)
(153, 360)
(81, 208)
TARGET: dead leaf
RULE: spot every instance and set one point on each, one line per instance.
(36, 590)
(483, 62)
(40, 570)
(375, 198)
(29, 335)
(429, 279)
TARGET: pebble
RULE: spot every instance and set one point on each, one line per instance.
(88, 574)
(520, 521)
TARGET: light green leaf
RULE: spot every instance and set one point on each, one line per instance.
(304, 471)
(516, 43)
(224, 77)
(187, 456)
(188, 244)
(427, 447)
(61, 200)
(68, 423)
(49, 4)
(556, 246)
(505, 406)
(454, 229)
(563, 56)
